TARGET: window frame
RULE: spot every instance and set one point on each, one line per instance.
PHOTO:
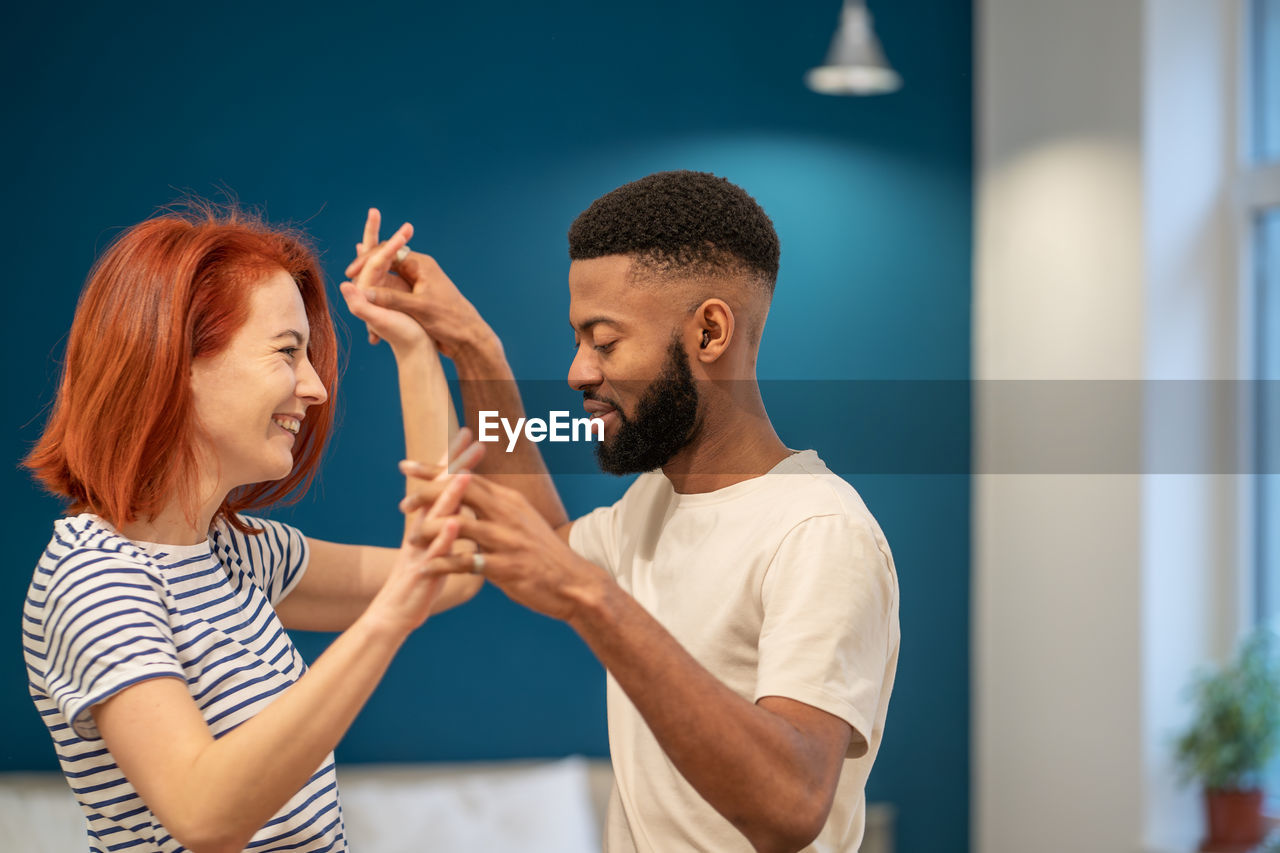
(1256, 192)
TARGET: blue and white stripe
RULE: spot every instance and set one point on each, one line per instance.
(104, 612)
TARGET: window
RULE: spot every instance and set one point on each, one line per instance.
(1261, 182)
(1261, 194)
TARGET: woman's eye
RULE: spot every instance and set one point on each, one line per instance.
(289, 352)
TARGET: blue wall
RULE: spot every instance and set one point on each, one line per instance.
(491, 126)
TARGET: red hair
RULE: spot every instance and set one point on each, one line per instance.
(121, 440)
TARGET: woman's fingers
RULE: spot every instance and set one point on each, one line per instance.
(460, 440)
(461, 564)
(466, 459)
(377, 263)
(488, 536)
(432, 535)
(451, 498)
(372, 224)
(425, 494)
(443, 540)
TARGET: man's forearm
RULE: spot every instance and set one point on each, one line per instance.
(750, 764)
(488, 384)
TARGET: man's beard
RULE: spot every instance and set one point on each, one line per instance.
(663, 423)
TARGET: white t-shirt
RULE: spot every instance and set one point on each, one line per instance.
(781, 585)
(104, 612)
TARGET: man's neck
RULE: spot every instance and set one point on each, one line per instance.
(735, 442)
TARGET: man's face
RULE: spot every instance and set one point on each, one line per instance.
(630, 365)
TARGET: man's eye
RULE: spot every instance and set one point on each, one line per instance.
(605, 348)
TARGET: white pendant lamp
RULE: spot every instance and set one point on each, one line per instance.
(855, 63)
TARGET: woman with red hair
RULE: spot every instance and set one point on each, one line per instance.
(198, 386)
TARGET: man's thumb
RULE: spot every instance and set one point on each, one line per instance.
(386, 297)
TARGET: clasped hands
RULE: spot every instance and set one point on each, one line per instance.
(522, 555)
(407, 300)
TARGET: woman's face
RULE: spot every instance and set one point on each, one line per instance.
(251, 398)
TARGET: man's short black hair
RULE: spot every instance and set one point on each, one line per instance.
(680, 223)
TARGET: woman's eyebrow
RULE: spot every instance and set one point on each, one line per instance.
(301, 338)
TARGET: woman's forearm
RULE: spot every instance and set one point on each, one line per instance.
(425, 403)
(429, 423)
(238, 782)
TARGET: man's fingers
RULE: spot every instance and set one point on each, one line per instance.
(404, 301)
(488, 536)
(481, 495)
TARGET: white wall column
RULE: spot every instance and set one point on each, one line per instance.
(1103, 253)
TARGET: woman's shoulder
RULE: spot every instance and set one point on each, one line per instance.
(268, 547)
(252, 530)
(86, 553)
(89, 534)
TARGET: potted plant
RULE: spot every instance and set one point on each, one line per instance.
(1234, 733)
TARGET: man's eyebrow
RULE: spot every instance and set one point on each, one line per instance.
(585, 325)
(298, 336)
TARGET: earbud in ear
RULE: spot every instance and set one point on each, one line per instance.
(706, 338)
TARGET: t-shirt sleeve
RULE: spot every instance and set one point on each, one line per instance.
(106, 627)
(274, 559)
(829, 599)
(594, 537)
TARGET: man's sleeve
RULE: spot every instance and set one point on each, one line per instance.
(275, 559)
(594, 537)
(106, 627)
(830, 603)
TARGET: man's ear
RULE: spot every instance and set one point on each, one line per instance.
(714, 327)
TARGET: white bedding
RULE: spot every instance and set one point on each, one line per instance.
(542, 807)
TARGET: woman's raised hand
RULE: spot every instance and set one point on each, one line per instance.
(398, 329)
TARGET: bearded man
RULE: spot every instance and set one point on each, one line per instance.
(740, 595)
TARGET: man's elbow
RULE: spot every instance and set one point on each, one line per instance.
(787, 831)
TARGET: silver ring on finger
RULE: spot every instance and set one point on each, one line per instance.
(477, 563)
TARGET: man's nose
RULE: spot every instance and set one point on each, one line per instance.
(584, 371)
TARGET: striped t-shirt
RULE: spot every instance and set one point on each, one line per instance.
(104, 612)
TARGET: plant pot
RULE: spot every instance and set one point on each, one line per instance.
(1235, 820)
